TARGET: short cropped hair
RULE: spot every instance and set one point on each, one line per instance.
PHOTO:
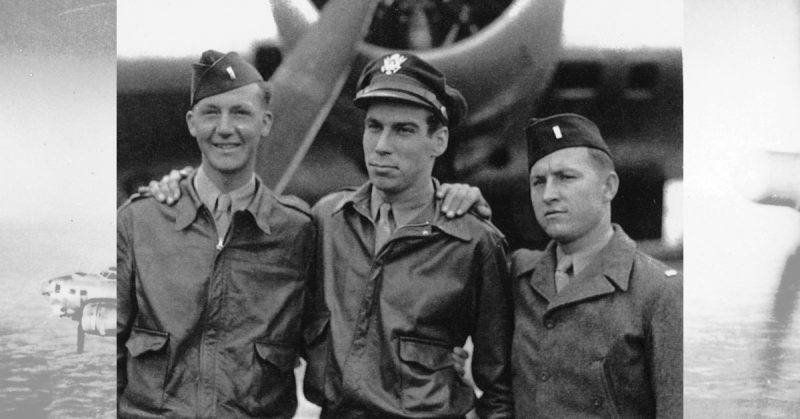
(266, 92)
(602, 161)
(434, 123)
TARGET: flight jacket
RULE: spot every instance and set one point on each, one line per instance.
(386, 323)
(205, 330)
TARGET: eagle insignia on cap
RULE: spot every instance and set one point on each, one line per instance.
(231, 74)
(392, 63)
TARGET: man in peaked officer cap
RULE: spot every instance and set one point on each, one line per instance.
(401, 284)
(211, 290)
(598, 324)
(407, 78)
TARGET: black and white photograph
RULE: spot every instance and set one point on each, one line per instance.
(57, 161)
(400, 208)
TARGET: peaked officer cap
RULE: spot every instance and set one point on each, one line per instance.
(406, 77)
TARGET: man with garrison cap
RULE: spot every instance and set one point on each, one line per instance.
(211, 290)
(598, 324)
(399, 285)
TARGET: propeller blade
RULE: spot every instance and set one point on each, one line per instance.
(307, 84)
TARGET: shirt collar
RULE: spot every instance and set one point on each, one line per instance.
(360, 201)
(583, 258)
(259, 204)
(614, 261)
(404, 212)
(208, 192)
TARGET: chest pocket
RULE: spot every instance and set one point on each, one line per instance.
(430, 355)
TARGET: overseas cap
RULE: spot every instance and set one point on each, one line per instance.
(408, 78)
(217, 73)
(560, 131)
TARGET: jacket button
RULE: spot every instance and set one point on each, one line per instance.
(544, 376)
(597, 403)
(550, 324)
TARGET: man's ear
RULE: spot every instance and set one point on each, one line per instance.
(611, 186)
(190, 123)
(440, 139)
(266, 123)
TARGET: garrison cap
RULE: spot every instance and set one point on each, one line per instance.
(217, 73)
(560, 131)
(406, 77)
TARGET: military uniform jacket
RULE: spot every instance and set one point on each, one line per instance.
(206, 330)
(609, 345)
(381, 344)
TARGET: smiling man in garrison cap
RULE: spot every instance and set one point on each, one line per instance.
(399, 284)
(598, 324)
(211, 290)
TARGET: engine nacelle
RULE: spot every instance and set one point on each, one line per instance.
(100, 318)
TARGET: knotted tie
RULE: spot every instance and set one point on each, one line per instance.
(384, 225)
(563, 272)
(222, 214)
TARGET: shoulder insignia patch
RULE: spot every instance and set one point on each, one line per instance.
(670, 273)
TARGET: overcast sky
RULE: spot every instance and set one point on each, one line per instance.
(58, 125)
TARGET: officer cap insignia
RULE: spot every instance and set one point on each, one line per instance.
(408, 78)
(217, 73)
(557, 132)
(392, 63)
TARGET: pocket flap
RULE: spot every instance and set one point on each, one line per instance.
(144, 340)
(430, 354)
(281, 356)
(314, 329)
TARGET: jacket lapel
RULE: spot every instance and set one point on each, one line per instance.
(542, 280)
(607, 273)
(588, 284)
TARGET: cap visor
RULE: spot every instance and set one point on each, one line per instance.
(364, 100)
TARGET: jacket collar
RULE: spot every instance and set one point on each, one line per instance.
(188, 206)
(610, 270)
(359, 200)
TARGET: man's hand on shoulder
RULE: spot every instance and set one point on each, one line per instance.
(167, 190)
(458, 198)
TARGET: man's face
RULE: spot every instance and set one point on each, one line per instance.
(228, 127)
(398, 151)
(570, 193)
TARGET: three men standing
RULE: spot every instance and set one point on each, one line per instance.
(210, 315)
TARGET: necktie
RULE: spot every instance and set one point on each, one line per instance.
(222, 214)
(563, 272)
(384, 225)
